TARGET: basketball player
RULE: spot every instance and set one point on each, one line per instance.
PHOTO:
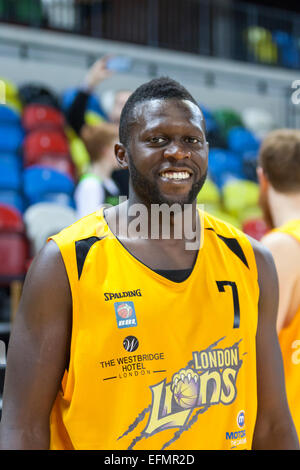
(279, 176)
(152, 342)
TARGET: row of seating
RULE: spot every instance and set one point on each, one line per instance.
(273, 47)
(41, 159)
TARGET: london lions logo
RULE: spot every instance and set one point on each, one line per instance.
(208, 379)
(125, 314)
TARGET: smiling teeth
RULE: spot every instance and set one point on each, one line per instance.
(176, 175)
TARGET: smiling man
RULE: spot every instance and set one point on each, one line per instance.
(192, 361)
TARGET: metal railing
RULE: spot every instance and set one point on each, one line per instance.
(215, 28)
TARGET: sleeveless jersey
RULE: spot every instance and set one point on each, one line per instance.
(156, 364)
(289, 339)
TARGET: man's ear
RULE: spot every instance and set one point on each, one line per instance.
(262, 178)
(121, 155)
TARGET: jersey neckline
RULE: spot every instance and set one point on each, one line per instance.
(146, 268)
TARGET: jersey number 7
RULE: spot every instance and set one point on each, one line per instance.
(236, 304)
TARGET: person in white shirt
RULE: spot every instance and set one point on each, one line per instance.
(96, 187)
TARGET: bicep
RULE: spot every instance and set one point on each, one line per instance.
(38, 346)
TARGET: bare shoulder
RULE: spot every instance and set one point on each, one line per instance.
(284, 247)
(263, 257)
(46, 286)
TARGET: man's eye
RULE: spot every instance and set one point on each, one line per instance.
(193, 140)
(157, 140)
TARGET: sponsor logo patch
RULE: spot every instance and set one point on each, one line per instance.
(125, 314)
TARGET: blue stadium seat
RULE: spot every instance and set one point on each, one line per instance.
(250, 160)
(39, 181)
(10, 174)
(210, 122)
(93, 103)
(11, 137)
(224, 165)
(13, 199)
(8, 115)
(288, 49)
(242, 140)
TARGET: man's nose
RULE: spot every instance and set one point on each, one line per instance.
(177, 152)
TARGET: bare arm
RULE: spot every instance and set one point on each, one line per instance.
(286, 254)
(37, 354)
(274, 426)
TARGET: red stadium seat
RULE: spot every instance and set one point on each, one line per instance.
(38, 115)
(44, 141)
(255, 228)
(13, 256)
(62, 163)
(10, 219)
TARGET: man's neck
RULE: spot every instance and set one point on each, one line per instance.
(284, 207)
(180, 222)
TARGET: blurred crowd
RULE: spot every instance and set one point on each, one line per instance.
(57, 163)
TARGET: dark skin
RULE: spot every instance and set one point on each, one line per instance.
(40, 340)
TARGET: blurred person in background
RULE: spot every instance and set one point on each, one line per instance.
(97, 73)
(279, 178)
(96, 187)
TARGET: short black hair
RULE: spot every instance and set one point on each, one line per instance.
(158, 88)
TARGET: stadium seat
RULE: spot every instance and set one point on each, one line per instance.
(11, 94)
(9, 115)
(221, 214)
(255, 228)
(11, 138)
(36, 93)
(210, 121)
(209, 194)
(13, 255)
(79, 154)
(45, 219)
(13, 199)
(44, 141)
(61, 199)
(241, 140)
(238, 195)
(260, 45)
(224, 165)
(11, 219)
(61, 163)
(226, 119)
(93, 103)
(250, 162)
(39, 181)
(10, 174)
(288, 49)
(37, 116)
(250, 213)
(258, 121)
(213, 134)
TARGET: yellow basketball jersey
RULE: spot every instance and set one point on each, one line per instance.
(157, 364)
(289, 339)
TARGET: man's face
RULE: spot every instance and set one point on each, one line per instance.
(167, 152)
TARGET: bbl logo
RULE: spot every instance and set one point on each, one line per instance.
(131, 343)
(125, 314)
